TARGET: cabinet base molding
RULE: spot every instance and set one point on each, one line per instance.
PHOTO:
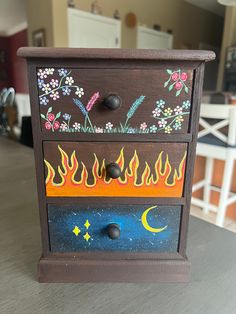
(68, 271)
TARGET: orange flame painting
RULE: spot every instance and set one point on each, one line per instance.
(152, 184)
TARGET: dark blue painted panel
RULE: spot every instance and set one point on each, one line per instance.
(68, 232)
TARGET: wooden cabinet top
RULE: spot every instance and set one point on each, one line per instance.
(128, 54)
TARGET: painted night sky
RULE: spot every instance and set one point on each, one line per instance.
(76, 228)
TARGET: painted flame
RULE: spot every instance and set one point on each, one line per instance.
(154, 184)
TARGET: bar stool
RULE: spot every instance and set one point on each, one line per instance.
(214, 144)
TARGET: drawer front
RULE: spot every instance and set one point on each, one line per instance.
(151, 101)
(153, 228)
(75, 169)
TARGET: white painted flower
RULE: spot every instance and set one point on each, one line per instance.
(64, 127)
(46, 88)
(69, 80)
(156, 112)
(143, 126)
(54, 95)
(49, 71)
(178, 110)
(109, 126)
(41, 74)
(54, 83)
(77, 126)
(162, 123)
(79, 92)
(99, 130)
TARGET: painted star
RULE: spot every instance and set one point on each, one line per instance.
(87, 236)
(76, 231)
(87, 224)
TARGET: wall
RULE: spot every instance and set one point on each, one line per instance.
(190, 24)
(5, 67)
(18, 65)
(229, 39)
(15, 67)
(39, 15)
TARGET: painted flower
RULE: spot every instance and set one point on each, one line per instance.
(51, 116)
(41, 74)
(168, 129)
(44, 101)
(175, 76)
(64, 126)
(178, 110)
(54, 95)
(186, 104)
(76, 126)
(177, 126)
(168, 111)
(98, 130)
(49, 71)
(79, 92)
(62, 72)
(183, 76)
(66, 116)
(40, 83)
(162, 123)
(153, 128)
(156, 112)
(109, 126)
(46, 88)
(160, 103)
(143, 126)
(131, 130)
(66, 91)
(179, 119)
(178, 85)
(92, 101)
(56, 125)
(48, 125)
(54, 83)
(69, 81)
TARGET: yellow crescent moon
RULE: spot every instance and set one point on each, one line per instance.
(145, 223)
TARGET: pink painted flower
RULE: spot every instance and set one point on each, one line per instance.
(48, 125)
(143, 126)
(178, 85)
(51, 116)
(56, 125)
(175, 76)
(92, 101)
(183, 76)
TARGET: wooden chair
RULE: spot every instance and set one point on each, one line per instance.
(213, 143)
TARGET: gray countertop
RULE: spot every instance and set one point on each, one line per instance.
(211, 250)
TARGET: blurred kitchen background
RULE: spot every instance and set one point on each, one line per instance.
(149, 24)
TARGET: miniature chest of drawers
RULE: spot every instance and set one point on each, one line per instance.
(114, 139)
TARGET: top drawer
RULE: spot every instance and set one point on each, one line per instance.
(143, 101)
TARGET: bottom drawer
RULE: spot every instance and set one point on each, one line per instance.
(116, 228)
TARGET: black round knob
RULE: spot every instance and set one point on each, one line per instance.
(113, 231)
(112, 102)
(113, 170)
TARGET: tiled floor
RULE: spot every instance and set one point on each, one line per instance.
(211, 218)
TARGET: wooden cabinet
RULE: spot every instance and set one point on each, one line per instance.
(114, 138)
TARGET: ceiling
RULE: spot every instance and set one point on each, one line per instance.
(209, 5)
(12, 14)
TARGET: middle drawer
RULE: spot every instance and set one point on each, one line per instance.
(80, 169)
